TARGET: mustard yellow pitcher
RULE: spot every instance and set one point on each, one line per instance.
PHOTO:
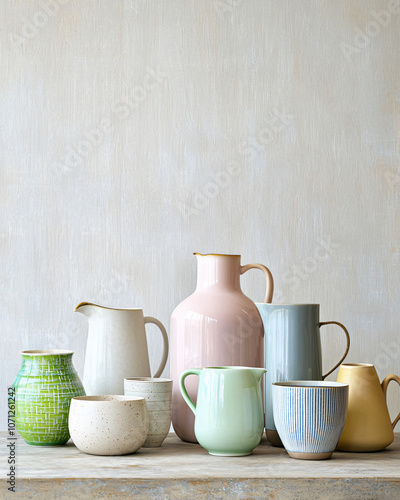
(368, 426)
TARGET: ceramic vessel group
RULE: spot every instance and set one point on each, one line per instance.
(222, 343)
(292, 350)
(215, 326)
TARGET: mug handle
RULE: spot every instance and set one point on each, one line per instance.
(193, 371)
(347, 347)
(270, 280)
(385, 383)
(150, 319)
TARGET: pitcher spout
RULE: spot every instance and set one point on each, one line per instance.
(86, 308)
(258, 373)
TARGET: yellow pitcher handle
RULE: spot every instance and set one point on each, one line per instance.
(270, 280)
(347, 346)
(385, 383)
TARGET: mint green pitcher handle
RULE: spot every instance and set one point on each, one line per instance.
(193, 371)
(268, 275)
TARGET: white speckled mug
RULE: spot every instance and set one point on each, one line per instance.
(108, 425)
(158, 395)
(309, 416)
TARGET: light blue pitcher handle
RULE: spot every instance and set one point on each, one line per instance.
(323, 323)
(192, 371)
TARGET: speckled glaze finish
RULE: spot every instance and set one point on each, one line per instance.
(44, 387)
(158, 395)
(309, 416)
(108, 425)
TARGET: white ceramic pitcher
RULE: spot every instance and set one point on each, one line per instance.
(117, 348)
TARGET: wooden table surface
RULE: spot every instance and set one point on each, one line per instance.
(183, 470)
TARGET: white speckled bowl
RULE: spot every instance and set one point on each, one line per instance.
(108, 425)
(158, 395)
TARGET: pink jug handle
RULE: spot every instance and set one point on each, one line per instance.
(189, 402)
(385, 383)
(347, 346)
(150, 319)
(270, 280)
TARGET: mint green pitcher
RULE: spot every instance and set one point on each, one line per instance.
(229, 417)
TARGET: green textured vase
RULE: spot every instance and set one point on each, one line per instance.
(44, 387)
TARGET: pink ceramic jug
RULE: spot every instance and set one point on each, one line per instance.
(216, 326)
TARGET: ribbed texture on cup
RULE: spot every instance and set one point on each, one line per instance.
(309, 419)
(158, 394)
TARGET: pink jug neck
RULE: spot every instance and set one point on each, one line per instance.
(218, 270)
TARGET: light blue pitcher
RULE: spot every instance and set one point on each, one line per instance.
(292, 350)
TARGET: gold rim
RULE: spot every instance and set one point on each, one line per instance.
(81, 304)
(357, 365)
(276, 304)
(215, 254)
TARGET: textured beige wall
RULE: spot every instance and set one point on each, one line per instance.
(136, 132)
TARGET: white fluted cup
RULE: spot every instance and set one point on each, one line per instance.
(309, 416)
(108, 425)
(158, 395)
